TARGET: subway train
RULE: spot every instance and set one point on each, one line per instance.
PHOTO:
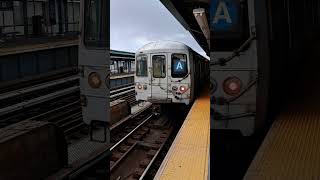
(169, 72)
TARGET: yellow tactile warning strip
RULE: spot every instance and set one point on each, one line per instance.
(291, 149)
(188, 156)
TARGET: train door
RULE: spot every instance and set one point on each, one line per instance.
(142, 77)
(159, 79)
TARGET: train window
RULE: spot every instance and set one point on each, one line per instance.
(159, 66)
(179, 65)
(142, 66)
(96, 23)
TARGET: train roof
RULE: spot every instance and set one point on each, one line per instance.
(163, 45)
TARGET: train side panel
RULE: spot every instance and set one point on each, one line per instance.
(200, 73)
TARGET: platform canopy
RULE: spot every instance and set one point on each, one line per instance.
(120, 55)
(182, 10)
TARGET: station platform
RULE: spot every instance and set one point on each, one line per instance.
(121, 75)
(291, 148)
(121, 80)
(188, 156)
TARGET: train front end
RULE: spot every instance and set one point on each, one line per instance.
(234, 67)
(162, 75)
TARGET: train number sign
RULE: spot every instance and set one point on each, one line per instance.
(224, 15)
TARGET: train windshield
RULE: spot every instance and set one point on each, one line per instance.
(179, 66)
(96, 29)
(159, 66)
(142, 66)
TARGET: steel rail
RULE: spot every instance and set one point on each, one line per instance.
(37, 87)
(38, 100)
(131, 132)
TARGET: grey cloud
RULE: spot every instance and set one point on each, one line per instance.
(134, 23)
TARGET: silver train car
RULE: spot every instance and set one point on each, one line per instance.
(169, 72)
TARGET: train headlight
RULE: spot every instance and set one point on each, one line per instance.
(145, 87)
(183, 88)
(232, 86)
(139, 86)
(94, 80)
(174, 88)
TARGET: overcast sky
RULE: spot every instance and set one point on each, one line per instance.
(135, 23)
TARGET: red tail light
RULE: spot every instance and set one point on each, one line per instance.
(232, 86)
(183, 88)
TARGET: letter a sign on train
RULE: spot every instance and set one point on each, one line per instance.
(179, 66)
(222, 13)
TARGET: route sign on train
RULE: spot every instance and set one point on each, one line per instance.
(179, 68)
(228, 22)
(224, 15)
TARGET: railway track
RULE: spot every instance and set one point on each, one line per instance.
(135, 149)
(43, 101)
(98, 165)
(141, 133)
(58, 101)
(54, 101)
(27, 97)
(14, 85)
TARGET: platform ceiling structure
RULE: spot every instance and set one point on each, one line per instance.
(182, 10)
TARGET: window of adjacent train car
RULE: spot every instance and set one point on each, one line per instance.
(96, 23)
(142, 66)
(179, 66)
(159, 66)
